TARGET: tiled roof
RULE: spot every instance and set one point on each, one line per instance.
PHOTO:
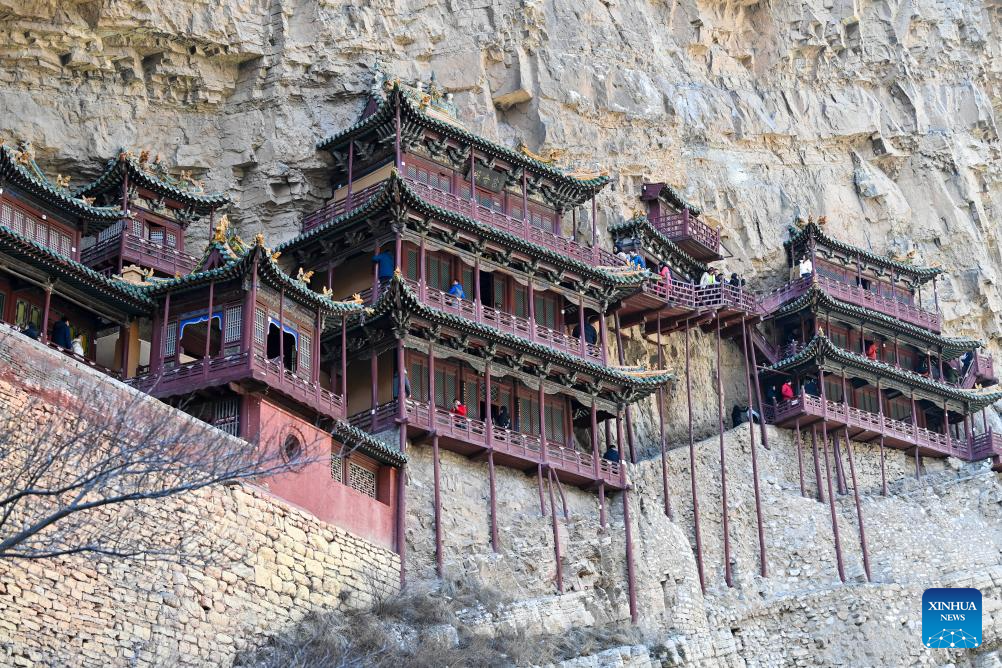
(396, 184)
(410, 109)
(821, 348)
(670, 194)
(816, 295)
(646, 381)
(133, 298)
(672, 250)
(812, 229)
(21, 170)
(353, 437)
(238, 265)
(154, 177)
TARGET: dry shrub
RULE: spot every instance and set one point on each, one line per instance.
(399, 632)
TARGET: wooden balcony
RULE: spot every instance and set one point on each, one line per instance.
(136, 250)
(192, 376)
(506, 322)
(593, 255)
(691, 234)
(678, 301)
(856, 295)
(865, 426)
(468, 436)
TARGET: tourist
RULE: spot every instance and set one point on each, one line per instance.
(806, 267)
(621, 253)
(707, 278)
(611, 454)
(77, 346)
(504, 419)
(738, 415)
(786, 391)
(737, 281)
(457, 290)
(386, 264)
(637, 260)
(770, 395)
(396, 385)
(590, 333)
(811, 387)
(871, 351)
(966, 360)
(459, 408)
(61, 335)
(31, 331)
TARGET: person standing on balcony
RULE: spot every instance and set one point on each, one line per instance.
(708, 278)
(806, 267)
(770, 395)
(736, 280)
(31, 331)
(457, 290)
(77, 346)
(786, 391)
(61, 335)
(871, 351)
(504, 419)
(811, 387)
(590, 333)
(611, 454)
(637, 260)
(459, 411)
(385, 262)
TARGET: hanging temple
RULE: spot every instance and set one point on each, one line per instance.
(478, 271)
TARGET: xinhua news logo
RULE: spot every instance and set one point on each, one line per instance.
(951, 618)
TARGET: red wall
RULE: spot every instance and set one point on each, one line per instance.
(312, 488)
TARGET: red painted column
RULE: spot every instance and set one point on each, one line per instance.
(581, 326)
(402, 484)
(438, 503)
(661, 429)
(831, 505)
(123, 344)
(44, 334)
(728, 576)
(631, 576)
(542, 420)
(604, 335)
(396, 138)
(692, 465)
(817, 463)
(351, 165)
(532, 308)
(594, 221)
(800, 460)
(859, 509)
(880, 415)
(758, 397)
(595, 455)
(489, 430)
(208, 331)
(556, 533)
(754, 458)
(159, 353)
(918, 456)
(629, 419)
(281, 328)
(422, 269)
(344, 363)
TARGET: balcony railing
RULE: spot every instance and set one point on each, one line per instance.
(701, 240)
(137, 250)
(506, 322)
(332, 210)
(188, 376)
(504, 441)
(838, 412)
(704, 297)
(465, 206)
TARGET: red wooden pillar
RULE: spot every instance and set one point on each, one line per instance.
(532, 308)
(351, 169)
(918, 455)
(800, 459)
(817, 463)
(754, 456)
(478, 304)
(831, 506)
(859, 509)
(692, 466)
(728, 576)
(208, 331)
(594, 221)
(398, 156)
(603, 335)
(556, 533)
(489, 431)
(629, 420)
(661, 428)
(542, 420)
(344, 363)
(439, 559)
(631, 577)
(44, 334)
(581, 326)
(422, 276)
(880, 416)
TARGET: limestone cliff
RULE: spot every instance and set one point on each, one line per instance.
(879, 115)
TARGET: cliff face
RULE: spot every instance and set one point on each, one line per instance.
(879, 115)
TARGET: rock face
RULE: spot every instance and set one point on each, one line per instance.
(879, 115)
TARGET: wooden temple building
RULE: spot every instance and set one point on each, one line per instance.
(452, 294)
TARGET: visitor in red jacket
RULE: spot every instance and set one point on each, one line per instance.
(787, 391)
(871, 350)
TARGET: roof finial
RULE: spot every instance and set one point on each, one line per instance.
(222, 227)
(304, 276)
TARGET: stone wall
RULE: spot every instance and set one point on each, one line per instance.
(265, 565)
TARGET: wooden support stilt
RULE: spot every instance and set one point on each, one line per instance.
(661, 428)
(629, 420)
(692, 466)
(631, 575)
(800, 460)
(539, 478)
(556, 533)
(859, 508)
(758, 397)
(831, 506)
(601, 505)
(436, 458)
(817, 463)
(728, 576)
(495, 543)
(763, 569)
(563, 499)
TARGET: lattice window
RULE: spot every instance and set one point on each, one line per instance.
(157, 236)
(305, 352)
(362, 479)
(64, 244)
(7, 216)
(171, 240)
(260, 325)
(227, 415)
(337, 466)
(233, 325)
(521, 294)
(41, 233)
(412, 264)
(19, 225)
(170, 339)
(137, 227)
